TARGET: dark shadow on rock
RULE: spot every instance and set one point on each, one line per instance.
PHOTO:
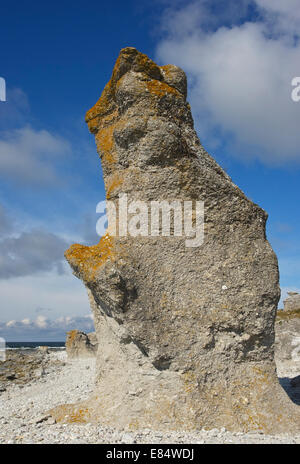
(292, 388)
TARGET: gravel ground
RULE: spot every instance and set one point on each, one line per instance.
(22, 411)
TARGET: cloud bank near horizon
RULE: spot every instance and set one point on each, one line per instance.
(34, 276)
(43, 328)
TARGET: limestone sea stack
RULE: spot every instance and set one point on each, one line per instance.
(186, 332)
(81, 345)
(292, 302)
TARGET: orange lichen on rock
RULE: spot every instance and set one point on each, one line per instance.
(167, 68)
(71, 335)
(113, 183)
(146, 65)
(138, 62)
(70, 413)
(160, 89)
(105, 143)
(86, 260)
(104, 105)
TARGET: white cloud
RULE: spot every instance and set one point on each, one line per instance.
(284, 15)
(41, 322)
(289, 8)
(27, 252)
(240, 77)
(35, 280)
(29, 156)
(11, 323)
(31, 252)
(63, 294)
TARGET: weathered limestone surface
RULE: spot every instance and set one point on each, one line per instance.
(80, 344)
(187, 334)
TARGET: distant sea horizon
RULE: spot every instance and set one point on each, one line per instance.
(34, 344)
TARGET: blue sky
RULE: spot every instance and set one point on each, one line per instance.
(240, 58)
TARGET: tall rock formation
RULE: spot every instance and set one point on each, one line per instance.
(186, 332)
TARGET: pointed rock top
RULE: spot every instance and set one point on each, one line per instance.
(161, 79)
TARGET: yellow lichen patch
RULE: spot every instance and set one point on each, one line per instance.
(106, 103)
(115, 181)
(71, 335)
(108, 119)
(146, 65)
(105, 143)
(116, 69)
(189, 381)
(103, 112)
(160, 89)
(87, 260)
(137, 61)
(103, 105)
(134, 424)
(70, 413)
(167, 69)
(93, 125)
(78, 415)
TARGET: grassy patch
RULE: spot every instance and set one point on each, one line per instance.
(287, 315)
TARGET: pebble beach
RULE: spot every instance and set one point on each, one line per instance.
(51, 379)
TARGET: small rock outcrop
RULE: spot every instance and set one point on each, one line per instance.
(287, 329)
(292, 303)
(80, 344)
(44, 349)
(287, 340)
(187, 332)
(22, 367)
